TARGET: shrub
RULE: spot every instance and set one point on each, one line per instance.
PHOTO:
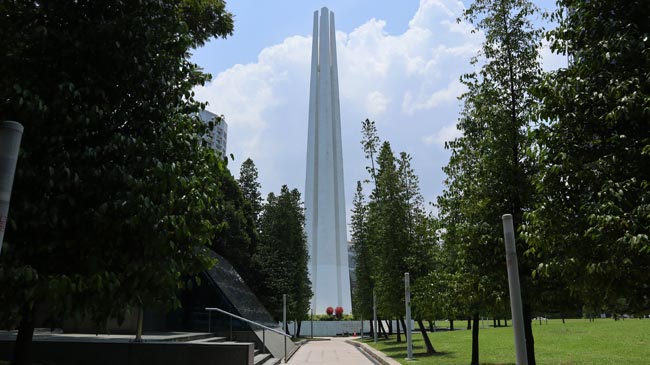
(339, 312)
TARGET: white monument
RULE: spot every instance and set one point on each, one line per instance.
(324, 194)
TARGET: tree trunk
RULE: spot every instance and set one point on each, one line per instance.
(372, 328)
(24, 339)
(380, 327)
(563, 320)
(528, 331)
(499, 322)
(505, 320)
(401, 319)
(390, 327)
(298, 328)
(138, 334)
(475, 339)
(399, 336)
(469, 323)
(431, 327)
(494, 322)
(425, 337)
(451, 324)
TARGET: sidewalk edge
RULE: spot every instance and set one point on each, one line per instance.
(378, 356)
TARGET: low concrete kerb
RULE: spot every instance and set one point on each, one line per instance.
(377, 356)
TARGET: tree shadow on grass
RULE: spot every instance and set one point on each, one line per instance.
(417, 355)
(441, 355)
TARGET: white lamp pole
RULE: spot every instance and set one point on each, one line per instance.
(407, 301)
(515, 290)
(374, 314)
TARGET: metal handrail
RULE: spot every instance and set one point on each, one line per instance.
(247, 320)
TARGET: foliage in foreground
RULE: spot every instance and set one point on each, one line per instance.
(591, 222)
(114, 196)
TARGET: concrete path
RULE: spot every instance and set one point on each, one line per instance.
(329, 352)
(337, 351)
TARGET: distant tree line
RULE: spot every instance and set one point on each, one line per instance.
(281, 258)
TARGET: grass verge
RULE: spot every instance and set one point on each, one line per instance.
(578, 342)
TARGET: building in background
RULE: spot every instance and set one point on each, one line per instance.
(219, 134)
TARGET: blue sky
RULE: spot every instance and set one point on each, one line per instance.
(399, 65)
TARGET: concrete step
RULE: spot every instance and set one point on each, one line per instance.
(209, 339)
(266, 359)
(180, 336)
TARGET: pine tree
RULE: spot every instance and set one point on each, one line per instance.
(283, 255)
(250, 187)
(362, 292)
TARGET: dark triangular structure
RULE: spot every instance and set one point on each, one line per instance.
(222, 287)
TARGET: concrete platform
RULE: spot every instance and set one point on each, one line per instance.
(174, 348)
(47, 335)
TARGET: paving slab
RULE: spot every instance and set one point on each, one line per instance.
(334, 351)
(329, 351)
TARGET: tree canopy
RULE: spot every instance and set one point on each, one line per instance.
(489, 173)
(283, 255)
(591, 223)
(114, 193)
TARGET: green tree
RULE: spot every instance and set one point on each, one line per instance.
(489, 173)
(238, 239)
(112, 199)
(250, 187)
(283, 255)
(392, 233)
(590, 225)
(362, 292)
(388, 219)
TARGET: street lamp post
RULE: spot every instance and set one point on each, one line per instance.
(407, 302)
(515, 290)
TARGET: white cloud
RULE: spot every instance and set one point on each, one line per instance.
(445, 134)
(411, 103)
(432, 11)
(376, 103)
(408, 83)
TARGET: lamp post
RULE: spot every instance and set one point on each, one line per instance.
(284, 323)
(374, 314)
(515, 290)
(407, 302)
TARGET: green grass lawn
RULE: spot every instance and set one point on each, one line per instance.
(605, 341)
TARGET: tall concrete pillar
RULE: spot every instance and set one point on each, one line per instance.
(324, 194)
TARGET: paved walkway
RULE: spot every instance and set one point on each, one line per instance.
(329, 352)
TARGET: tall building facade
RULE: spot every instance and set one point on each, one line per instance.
(219, 135)
(324, 193)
